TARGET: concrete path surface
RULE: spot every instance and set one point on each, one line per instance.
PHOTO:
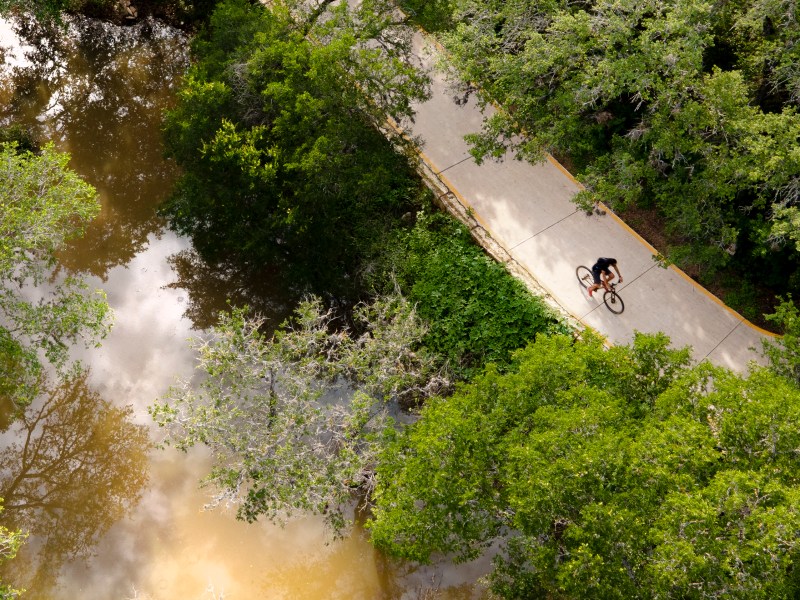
(527, 210)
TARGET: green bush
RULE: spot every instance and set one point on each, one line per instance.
(477, 312)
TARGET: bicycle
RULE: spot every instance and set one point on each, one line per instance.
(610, 297)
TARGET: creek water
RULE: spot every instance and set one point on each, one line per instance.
(110, 515)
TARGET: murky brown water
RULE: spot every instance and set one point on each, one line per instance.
(111, 517)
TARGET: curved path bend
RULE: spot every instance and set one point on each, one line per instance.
(527, 210)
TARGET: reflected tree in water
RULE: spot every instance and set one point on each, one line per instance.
(98, 90)
(213, 287)
(76, 466)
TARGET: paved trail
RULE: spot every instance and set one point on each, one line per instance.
(527, 210)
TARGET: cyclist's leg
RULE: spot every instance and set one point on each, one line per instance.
(597, 281)
(607, 277)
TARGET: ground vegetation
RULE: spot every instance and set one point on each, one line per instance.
(475, 311)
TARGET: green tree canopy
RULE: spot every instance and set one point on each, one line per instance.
(621, 473)
(277, 130)
(294, 422)
(42, 205)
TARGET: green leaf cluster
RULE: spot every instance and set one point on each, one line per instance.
(783, 353)
(432, 15)
(10, 542)
(620, 473)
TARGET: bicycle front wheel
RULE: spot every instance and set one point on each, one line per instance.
(613, 302)
(584, 276)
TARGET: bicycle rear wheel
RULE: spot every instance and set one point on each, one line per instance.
(613, 302)
(584, 276)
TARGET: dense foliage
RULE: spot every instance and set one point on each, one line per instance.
(621, 473)
(432, 15)
(476, 312)
(687, 107)
(276, 129)
(285, 165)
(42, 205)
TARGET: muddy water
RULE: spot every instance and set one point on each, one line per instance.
(131, 525)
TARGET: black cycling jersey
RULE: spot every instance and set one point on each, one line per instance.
(602, 264)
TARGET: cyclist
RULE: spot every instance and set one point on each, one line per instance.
(602, 274)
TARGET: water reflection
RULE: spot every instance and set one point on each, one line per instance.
(75, 466)
(98, 91)
(209, 288)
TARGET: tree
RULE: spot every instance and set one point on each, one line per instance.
(620, 473)
(294, 422)
(42, 205)
(432, 15)
(277, 131)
